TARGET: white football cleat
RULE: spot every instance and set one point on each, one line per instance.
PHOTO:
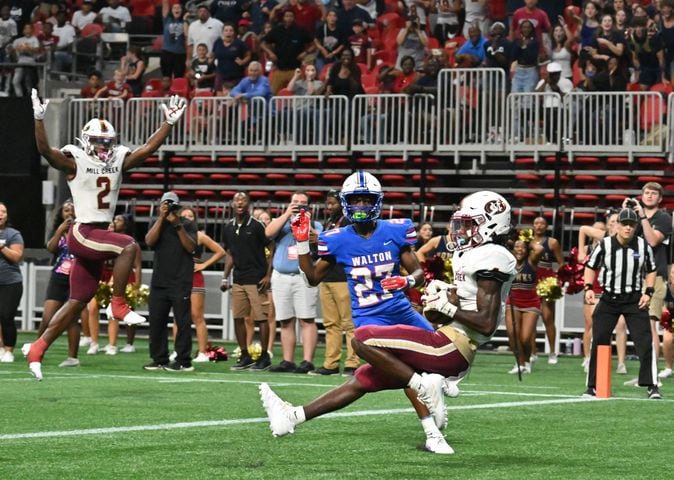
(438, 444)
(131, 318)
(70, 362)
(36, 370)
(450, 387)
(278, 412)
(431, 395)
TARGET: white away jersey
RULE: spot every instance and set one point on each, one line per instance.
(95, 186)
(488, 258)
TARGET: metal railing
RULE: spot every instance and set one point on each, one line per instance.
(620, 122)
(469, 114)
(471, 111)
(533, 123)
(392, 123)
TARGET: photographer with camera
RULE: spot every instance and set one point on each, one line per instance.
(174, 240)
(292, 297)
(655, 226)
(412, 41)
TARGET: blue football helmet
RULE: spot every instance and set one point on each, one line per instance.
(361, 183)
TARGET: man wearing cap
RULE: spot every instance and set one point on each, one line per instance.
(174, 240)
(625, 267)
(205, 30)
(553, 83)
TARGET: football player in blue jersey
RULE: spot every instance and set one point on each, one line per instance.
(408, 355)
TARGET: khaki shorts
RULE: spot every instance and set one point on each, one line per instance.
(658, 298)
(247, 300)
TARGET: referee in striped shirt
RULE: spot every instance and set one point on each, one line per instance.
(625, 264)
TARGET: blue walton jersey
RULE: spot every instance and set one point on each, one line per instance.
(366, 261)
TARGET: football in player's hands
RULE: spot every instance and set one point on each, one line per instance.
(300, 225)
(433, 305)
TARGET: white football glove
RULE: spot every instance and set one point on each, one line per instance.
(437, 286)
(39, 108)
(175, 109)
(439, 302)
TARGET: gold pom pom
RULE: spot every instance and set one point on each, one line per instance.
(103, 294)
(255, 350)
(549, 289)
(526, 235)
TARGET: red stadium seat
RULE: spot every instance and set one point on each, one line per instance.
(622, 161)
(93, 30)
(283, 195)
(178, 160)
(205, 194)
(429, 196)
(282, 161)
(254, 161)
(305, 178)
(258, 195)
(180, 86)
(399, 197)
(141, 210)
(337, 161)
(526, 198)
(152, 193)
(525, 161)
(277, 178)
(128, 193)
(430, 179)
(202, 159)
(430, 161)
(617, 199)
(227, 194)
(171, 177)
(652, 161)
(394, 162)
(151, 161)
(310, 161)
(248, 177)
(550, 178)
(649, 178)
(194, 177)
(220, 177)
(140, 177)
(366, 161)
(551, 196)
(232, 161)
(587, 198)
(587, 162)
(334, 178)
(393, 179)
(285, 92)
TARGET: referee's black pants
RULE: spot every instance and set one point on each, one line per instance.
(160, 303)
(604, 320)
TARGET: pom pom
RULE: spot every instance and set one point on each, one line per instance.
(526, 235)
(549, 289)
(137, 298)
(216, 353)
(666, 319)
(571, 275)
(255, 350)
(103, 294)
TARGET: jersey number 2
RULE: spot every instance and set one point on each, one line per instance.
(363, 290)
(104, 184)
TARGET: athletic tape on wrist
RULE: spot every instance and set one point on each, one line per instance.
(303, 248)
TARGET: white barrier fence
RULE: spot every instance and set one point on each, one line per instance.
(470, 113)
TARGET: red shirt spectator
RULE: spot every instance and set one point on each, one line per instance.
(94, 84)
(360, 44)
(534, 14)
(307, 15)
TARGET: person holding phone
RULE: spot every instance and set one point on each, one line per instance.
(245, 242)
(293, 299)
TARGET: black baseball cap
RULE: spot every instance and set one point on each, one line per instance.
(627, 215)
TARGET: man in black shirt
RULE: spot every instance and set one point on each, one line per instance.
(290, 45)
(245, 243)
(174, 240)
(625, 264)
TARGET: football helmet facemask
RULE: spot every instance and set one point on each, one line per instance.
(99, 139)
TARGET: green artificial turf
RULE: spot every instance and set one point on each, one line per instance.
(110, 419)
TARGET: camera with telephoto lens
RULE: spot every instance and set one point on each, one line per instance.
(174, 207)
(630, 203)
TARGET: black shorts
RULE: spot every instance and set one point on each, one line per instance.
(58, 287)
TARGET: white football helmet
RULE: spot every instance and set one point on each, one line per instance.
(99, 139)
(361, 183)
(481, 218)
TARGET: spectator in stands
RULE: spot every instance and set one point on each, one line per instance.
(562, 48)
(412, 42)
(424, 235)
(667, 35)
(62, 59)
(202, 72)
(292, 298)
(252, 86)
(115, 88)
(84, 16)
(231, 57)
(535, 16)
(245, 242)
(589, 24)
(526, 49)
(447, 25)
(498, 51)
(648, 56)
(393, 80)
(607, 43)
(622, 22)
(328, 41)
(8, 30)
(48, 40)
(227, 11)
(134, 67)
(553, 83)
(350, 12)
(291, 44)
(360, 44)
(476, 15)
(205, 30)
(427, 83)
(472, 53)
(248, 37)
(259, 14)
(94, 84)
(115, 16)
(344, 77)
(172, 59)
(307, 14)
(11, 282)
(27, 49)
(305, 81)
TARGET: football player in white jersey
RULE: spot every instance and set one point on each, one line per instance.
(94, 172)
(401, 356)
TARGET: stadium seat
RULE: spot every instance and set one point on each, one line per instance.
(587, 162)
(180, 86)
(315, 196)
(249, 178)
(589, 199)
(393, 179)
(525, 161)
(171, 177)
(430, 179)
(220, 177)
(93, 30)
(152, 194)
(305, 178)
(153, 160)
(205, 194)
(526, 198)
(140, 177)
(194, 177)
(618, 181)
(337, 161)
(551, 196)
(366, 162)
(232, 161)
(254, 161)
(550, 178)
(550, 160)
(394, 162)
(530, 179)
(615, 199)
(309, 161)
(428, 196)
(277, 178)
(285, 92)
(587, 181)
(584, 217)
(141, 210)
(648, 178)
(283, 195)
(182, 193)
(227, 194)
(430, 161)
(334, 178)
(652, 161)
(128, 193)
(176, 160)
(282, 161)
(399, 197)
(618, 161)
(216, 211)
(201, 159)
(259, 195)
